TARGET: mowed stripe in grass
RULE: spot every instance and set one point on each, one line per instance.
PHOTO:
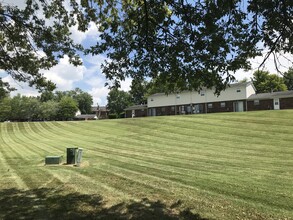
(219, 165)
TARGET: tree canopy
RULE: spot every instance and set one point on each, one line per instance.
(266, 82)
(183, 44)
(67, 108)
(5, 89)
(138, 91)
(83, 99)
(34, 39)
(288, 78)
(118, 100)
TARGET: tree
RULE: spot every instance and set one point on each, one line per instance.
(288, 78)
(67, 108)
(59, 95)
(117, 101)
(83, 99)
(5, 89)
(5, 109)
(17, 108)
(49, 110)
(266, 82)
(189, 44)
(25, 108)
(138, 90)
(183, 44)
(32, 107)
(46, 96)
(30, 42)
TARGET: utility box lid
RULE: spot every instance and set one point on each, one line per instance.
(53, 160)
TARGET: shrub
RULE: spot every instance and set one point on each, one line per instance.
(112, 116)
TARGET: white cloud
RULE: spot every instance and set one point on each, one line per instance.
(65, 74)
(19, 3)
(22, 88)
(125, 85)
(284, 63)
(99, 95)
(93, 64)
(100, 92)
(91, 34)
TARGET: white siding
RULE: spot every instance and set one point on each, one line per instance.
(234, 92)
(250, 90)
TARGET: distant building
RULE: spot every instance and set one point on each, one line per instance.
(101, 112)
(237, 97)
(273, 100)
(136, 111)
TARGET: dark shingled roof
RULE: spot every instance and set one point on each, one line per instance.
(101, 108)
(136, 107)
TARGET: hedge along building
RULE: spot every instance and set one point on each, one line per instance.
(233, 99)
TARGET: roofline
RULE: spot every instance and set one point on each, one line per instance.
(135, 107)
(271, 95)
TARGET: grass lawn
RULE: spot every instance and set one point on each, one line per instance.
(214, 166)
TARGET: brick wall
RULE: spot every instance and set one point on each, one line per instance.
(138, 113)
(217, 107)
(266, 104)
(286, 103)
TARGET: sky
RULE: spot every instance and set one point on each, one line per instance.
(89, 77)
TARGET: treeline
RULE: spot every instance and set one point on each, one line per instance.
(48, 106)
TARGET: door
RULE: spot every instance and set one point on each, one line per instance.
(238, 106)
(276, 104)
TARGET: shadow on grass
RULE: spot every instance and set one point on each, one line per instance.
(46, 203)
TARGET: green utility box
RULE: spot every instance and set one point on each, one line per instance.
(71, 155)
(53, 160)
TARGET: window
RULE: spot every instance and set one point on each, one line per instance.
(201, 92)
(256, 102)
(210, 105)
(173, 108)
(238, 90)
(223, 104)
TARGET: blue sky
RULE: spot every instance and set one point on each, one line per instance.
(89, 77)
